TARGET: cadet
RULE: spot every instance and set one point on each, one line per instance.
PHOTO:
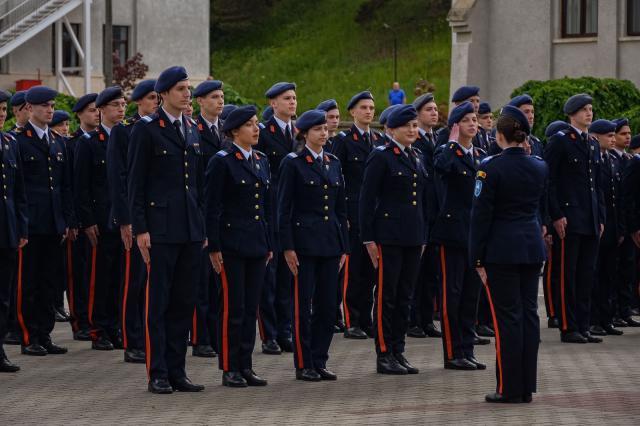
(165, 200)
(386, 136)
(525, 104)
(267, 114)
(20, 110)
(60, 123)
(134, 271)
(47, 183)
(455, 166)
(13, 221)
(330, 106)
(238, 230)
(463, 94)
(485, 125)
(312, 219)
(277, 139)
(507, 249)
(352, 149)
(577, 210)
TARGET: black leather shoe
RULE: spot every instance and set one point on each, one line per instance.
(485, 330)
(635, 311)
(7, 366)
(527, 398)
(631, 322)
(286, 345)
(498, 398)
(252, 378)
(33, 349)
(233, 379)
(308, 375)
(478, 364)
(102, 344)
(53, 349)
(477, 340)
(326, 374)
(82, 335)
(270, 347)
(161, 386)
(406, 364)
(619, 322)
(596, 330)
(591, 338)
(338, 327)
(354, 333)
(61, 315)
(183, 384)
(432, 331)
(12, 338)
(459, 364)
(612, 330)
(134, 356)
(553, 323)
(417, 332)
(203, 351)
(573, 337)
(388, 364)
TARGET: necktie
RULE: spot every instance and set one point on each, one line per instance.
(287, 135)
(252, 161)
(412, 155)
(45, 140)
(214, 130)
(367, 139)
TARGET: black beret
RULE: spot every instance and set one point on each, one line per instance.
(384, 115)
(169, 78)
(555, 127)
(484, 108)
(58, 117)
(18, 98)
(602, 127)
(358, 97)
(238, 117)
(207, 87)
(464, 93)
(422, 100)
(109, 94)
(226, 110)
(635, 142)
(620, 123)
(267, 113)
(576, 102)
(520, 100)
(521, 120)
(401, 116)
(311, 118)
(84, 101)
(278, 89)
(4, 96)
(40, 95)
(328, 105)
(459, 112)
(142, 89)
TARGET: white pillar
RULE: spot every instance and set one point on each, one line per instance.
(86, 17)
(58, 27)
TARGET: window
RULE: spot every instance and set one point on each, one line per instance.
(633, 17)
(579, 18)
(121, 42)
(70, 57)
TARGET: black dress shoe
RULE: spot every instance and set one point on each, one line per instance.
(388, 364)
(527, 398)
(553, 323)
(596, 330)
(417, 332)
(591, 338)
(286, 345)
(252, 378)
(183, 384)
(135, 356)
(233, 379)
(619, 322)
(61, 315)
(485, 330)
(82, 335)
(499, 398)
(7, 366)
(432, 331)
(612, 330)
(53, 349)
(354, 333)
(326, 374)
(459, 364)
(159, 386)
(635, 311)
(33, 349)
(631, 322)
(102, 344)
(308, 375)
(203, 351)
(478, 364)
(12, 338)
(573, 337)
(338, 327)
(477, 340)
(116, 341)
(270, 347)
(406, 364)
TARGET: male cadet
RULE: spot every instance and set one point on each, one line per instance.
(330, 106)
(577, 211)
(165, 200)
(525, 104)
(134, 271)
(463, 94)
(485, 125)
(382, 119)
(47, 182)
(277, 140)
(20, 110)
(352, 149)
(267, 114)
(426, 288)
(13, 224)
(204, 336)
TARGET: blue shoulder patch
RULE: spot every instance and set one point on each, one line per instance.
(381, 147)
(261, 125)
(537, 157)
(292, 155)
(222, 153)
(489, 158)
(561, 133)
(478, 188)
(342, 134)
(87, 135)
(146, 119)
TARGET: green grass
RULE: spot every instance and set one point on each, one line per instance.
(319, 46)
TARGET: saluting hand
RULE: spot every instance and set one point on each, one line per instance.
(455, 133)
(560, 226)
(268, 258)
(292, 261)
(92, 233)
(144, 244)
(372, 249)
(216, 261)
(343, 259)
(126, 235)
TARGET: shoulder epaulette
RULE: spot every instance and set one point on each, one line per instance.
(330, 155)
(87, 135)
(382, 147)
(480, 150)
(261, 125)
(9, 136)
(292, 155)
(537, 157)
(342, 134)
(149, 118)
(259, 153)
(222, 153)
(489, 158)
(561, 133)
(418, 150)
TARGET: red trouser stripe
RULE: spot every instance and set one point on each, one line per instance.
(345, 285)
(225, 320)
(296, 309)
(497, 331)
(23, 326)
(194, 327)
(125, 295)
(445, 311)
(381, 342)
(260, 326)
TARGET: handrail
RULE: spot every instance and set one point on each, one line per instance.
(20, 11)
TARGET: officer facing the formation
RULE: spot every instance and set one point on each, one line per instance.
(506, 247)
(165, 199)
(238, 220)
(312, 219)
(394, 230)
(576, 208)
(13, 224)
(525, 104)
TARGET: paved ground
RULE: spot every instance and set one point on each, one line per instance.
(578, 384)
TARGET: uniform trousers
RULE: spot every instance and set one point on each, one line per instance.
(204, 327)
(8, 258)
(357, 284)
(275, 304)
(425, 292)
(104, 286)
(132, 293)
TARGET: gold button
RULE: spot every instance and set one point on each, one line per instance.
(257, 185)
(566, 204)
(414, 203)
(448, 215)
(5, 197)
(326, 218)
(325, 207)
(257, 207)
(51, 188)
(325, 187)
(414, 193)
(326, 197)
(102, 161)
(257, 196)
(185, 153)
(386, 215)
(186, 187)
(152, 203)
(297, 223)
(186, 175)
(257, 218)
(415, 175)
(49, 167)
(164, 151)
(228, 225)
(311, 182)
(415, 184)
(399, 173)
(464, 172)
(242, 181)
(186, 164)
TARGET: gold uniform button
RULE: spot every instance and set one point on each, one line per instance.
(386, 215)
(152, 204)
(326, 218)
(325, 187)
(257, 185)
(326, 197)
(311, 182)
(51, 188)
(448, 215)
(49, 167)
(242, 181)
(228, 225)
(415, 203)
(414, 193)
(415, 175)
(415, 184)
(257, 196)
(186, 187)
(164, 151)
(566, 204)
(186, 164)
(102, 161)
(186, 175)
(257, 218)
(257, 207)
(5, 197)
(325, 207)
(464, 172)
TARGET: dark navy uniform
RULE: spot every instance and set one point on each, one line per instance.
(628, 282)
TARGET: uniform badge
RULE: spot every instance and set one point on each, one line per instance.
(101, 137)
(355, 136)
(459, 153)
(161, 122)
(309, 159)
(573, 136)
(272, 128)
(200, 127)
(478, 188)
(29, 134)
(326, 159)
(481, 174)
(239, 156)
(396, 150)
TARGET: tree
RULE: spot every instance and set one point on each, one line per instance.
(126, 75)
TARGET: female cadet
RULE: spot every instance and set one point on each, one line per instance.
(507, 248)
(312, 222)
(238, 229)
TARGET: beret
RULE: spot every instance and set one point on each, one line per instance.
(109, 94)
(602, 127)
(328, 105)
(464, 93)
(142, 89)
(226, 110)
(169, 78)
(59, 116)
(207, 87)
(576, 102)
(522, 123)
(384, 115)
(267, 113)
(555, 127)
(635, 142)
(484, 108)
(459, 112)
(238, 117)
(422, 100)
(84, 101)
(520, 100)
(620, 123)
(278, 89)
(4, 96)
(358, 97)
(311, 118)
(401, 116)
(40, 95)
(18, 98)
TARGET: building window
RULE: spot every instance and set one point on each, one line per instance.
(70, 57)
(633, 17)
(121, 42)
(579, 18)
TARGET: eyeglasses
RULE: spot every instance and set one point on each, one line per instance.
(117, 104)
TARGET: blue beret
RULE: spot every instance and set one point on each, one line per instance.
(484, 108)
(4, 96)
(109, 94)
(84, 101)
(384, 115)
(358, 97)
(169, 78)
(459, 112)
(238, 117)
(520, 100)
(620, 123)
(422, 100)
(401, 116)
(267, 113)
(328, 105)
(207, 87)
(635, 142)
(555, 127)
(18, 98)
(226, 110)
(602, 127)
(521, 120)
(464, 93)
(59, 116)
(311, 118)
(142, 89)
(278, 89)
(577, 102)
(40, 95)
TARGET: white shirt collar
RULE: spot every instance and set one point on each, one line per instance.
(247, 154)
(106, 129)
(40, 131)
(172, 118)
(283, 124)
(362, 132)
(315, 155)
(465, 150)
(620, 153)
(402, 147)
(580, 132)
(209, 123)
